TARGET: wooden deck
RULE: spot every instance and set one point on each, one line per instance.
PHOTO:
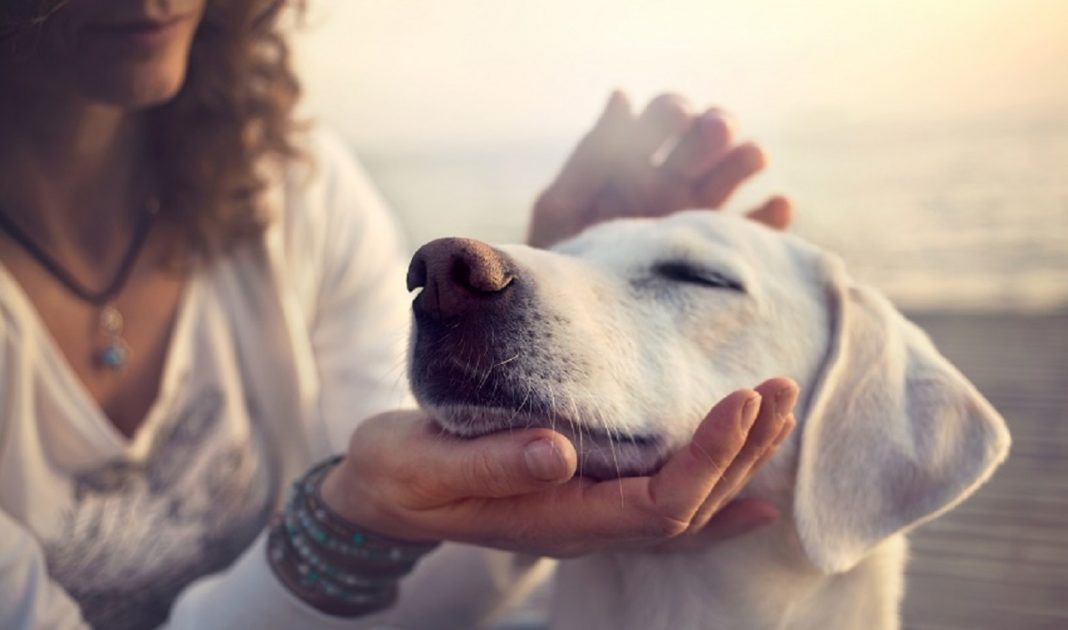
(1000, 560)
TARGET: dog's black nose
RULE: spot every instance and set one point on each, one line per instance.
(458, 275)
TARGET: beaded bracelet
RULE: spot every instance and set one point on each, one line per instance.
(330, 563)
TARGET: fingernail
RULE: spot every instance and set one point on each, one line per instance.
(753, 157)
(715, 126)
(721, 114)
(785, 401)
(750, 411)
(669, 114)
(544, 461)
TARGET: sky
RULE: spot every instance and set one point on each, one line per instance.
(417, 73)
(911, 134)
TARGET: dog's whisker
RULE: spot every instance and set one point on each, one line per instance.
(519, 410)
(597, 409)
(612, 446)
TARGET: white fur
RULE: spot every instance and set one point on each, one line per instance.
(889, 434)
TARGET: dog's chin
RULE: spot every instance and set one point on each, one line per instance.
(602, 455)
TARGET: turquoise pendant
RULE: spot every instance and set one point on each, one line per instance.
(113, 356)
(115, 352)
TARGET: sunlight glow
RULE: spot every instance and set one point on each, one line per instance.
(474, 70)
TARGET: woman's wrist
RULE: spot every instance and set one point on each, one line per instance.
(337, 493)
(346, 492)
(329, 561)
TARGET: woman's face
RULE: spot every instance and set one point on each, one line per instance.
(129, 53)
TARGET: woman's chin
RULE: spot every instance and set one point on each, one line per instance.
(138, 85)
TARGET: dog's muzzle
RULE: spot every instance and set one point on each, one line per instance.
(486, 356)
(472, 313)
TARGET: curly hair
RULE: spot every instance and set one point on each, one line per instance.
(234, 111)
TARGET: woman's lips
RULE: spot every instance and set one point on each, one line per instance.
(145, 35)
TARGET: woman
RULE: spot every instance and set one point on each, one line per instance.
(198, 304)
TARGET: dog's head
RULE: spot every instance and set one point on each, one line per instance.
(623, 337)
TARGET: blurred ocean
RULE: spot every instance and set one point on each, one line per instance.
(963, 217)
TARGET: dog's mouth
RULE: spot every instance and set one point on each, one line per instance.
(603, 453)
(474, 388)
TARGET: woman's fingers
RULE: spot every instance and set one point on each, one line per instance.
(615, 170)
(591, 162)
(738, 517)
(700, 148)
(568, 204)
(438, 470)
(788, 427)
(637, 187)
(517, 490)
(593, 159)
(679, 489)
(582, 515)
(506, 464)
(738, 165)
(779, 396)
(697, 480)
(776, 213)
(664, 118)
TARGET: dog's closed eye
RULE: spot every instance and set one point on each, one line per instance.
(682, 271)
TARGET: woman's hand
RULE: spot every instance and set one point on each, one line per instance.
(617, 169)
(516, 490)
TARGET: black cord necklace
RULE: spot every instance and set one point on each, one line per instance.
(115, 353)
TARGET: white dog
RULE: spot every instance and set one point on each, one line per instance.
(624, 336)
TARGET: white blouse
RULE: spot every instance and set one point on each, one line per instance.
(279, 350)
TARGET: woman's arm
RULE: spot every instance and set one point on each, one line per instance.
(345, 261)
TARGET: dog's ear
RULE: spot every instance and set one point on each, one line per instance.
(893, 436)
